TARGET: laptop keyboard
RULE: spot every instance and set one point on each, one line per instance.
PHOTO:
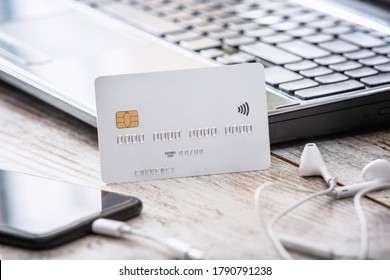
(308, 54)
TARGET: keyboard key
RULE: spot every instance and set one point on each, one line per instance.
(140, 18)
(269, 20)
(236, 58)
(199, 44)
(322, 23)
(331, 78)
(290, 87)
(225, 60)
(345, 66)
(318, 38)
(377, 80)
(243, 26)
(302, 65)
(226, 20)
(285, 25)
(301, 32)
(261, 32)
(329, 89)
(361, 72)
(270, 53)
(210, 27)
(362, 39)
(192, 22)
(383, 67)
(359, 54)
(237, 41)
(277, 38)
(253, 14)
(375, 60)
(314, 72)
(337, 30)
(333, 59)
(303, 49)
(377, 34)
(339, 46)
(214, 14)
(211, 53)
(223, 34)
(275, 75)
(186, 35)
(382, 50)
(238, 8)
(179, 15)
(242, 57)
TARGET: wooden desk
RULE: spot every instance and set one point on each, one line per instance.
(214, 213)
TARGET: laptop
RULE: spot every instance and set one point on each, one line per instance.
(327, 62)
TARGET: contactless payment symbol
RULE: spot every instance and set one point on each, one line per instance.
(127, 119)
(244, 109)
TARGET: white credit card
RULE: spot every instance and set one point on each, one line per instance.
(182, 123)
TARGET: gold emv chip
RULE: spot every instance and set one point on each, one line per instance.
(127, 119)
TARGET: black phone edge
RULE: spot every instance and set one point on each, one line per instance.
(121, 212)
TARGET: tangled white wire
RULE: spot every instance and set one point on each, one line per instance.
(327, 253)
(270, 225)
(363, 253)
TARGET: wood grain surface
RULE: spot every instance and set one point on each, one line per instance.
(213, 213)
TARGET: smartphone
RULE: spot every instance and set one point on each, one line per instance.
(39, 213)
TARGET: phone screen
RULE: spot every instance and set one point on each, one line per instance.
(35, 206)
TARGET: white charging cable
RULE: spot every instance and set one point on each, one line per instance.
(120, 229)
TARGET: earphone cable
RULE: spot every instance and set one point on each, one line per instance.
(270, 225)
(120, 229)
(363, 252)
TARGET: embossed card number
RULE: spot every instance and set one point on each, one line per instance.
(182, 123)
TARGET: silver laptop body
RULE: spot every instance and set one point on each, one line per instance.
(324, 74)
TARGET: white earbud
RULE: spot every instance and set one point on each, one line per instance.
(312, 163)
(376, 176)
(376, 173)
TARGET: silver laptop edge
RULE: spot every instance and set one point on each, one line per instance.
(35, 78)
